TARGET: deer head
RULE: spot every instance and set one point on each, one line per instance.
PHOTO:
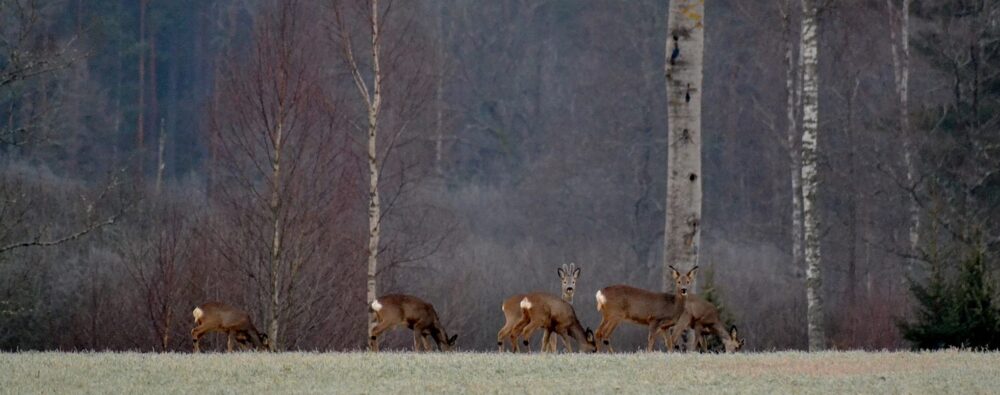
(590, 343)
(683, 283)
(450, 343)
(733, 343)
(568, 276)
(243, 339)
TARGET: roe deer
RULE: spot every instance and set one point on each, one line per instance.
(419, 316)
(658, 311)
(218, 317)
(512, 309)
(703, 316)
(549, 312)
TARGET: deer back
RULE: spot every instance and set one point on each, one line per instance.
(222, 316)
(636, 304)
(408, 309)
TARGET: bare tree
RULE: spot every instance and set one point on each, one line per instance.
(156, 254)
(17, 203)
(140, 123)
(683, 67)
(900, 43)
(372, 97)
(810, 179)
(391, 70)
(281, 156)
(792, 105)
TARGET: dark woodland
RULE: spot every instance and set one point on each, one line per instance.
(140, 143)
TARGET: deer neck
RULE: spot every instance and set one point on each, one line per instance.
(439, 336)
(576, 331)
(679, 299)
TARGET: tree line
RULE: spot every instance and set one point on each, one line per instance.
(284, 156)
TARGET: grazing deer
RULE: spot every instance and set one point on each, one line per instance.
(235, 323)
(549, 312)
(703, 316)
(419, 316)
(512, 309)
(658, 311)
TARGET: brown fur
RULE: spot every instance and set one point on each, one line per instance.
(703, 316)
(513, 323)
(417, 315)
(549, 312)
(655, 310)
(235, 323)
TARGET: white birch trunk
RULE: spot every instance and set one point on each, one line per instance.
(374, 207)
(160, 164)
(901, 69)
(275, 207)
(684, 49)
(439, 94)
(373, 103)
(810, 180)
(791, 109)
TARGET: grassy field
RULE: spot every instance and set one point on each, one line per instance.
(783, 372)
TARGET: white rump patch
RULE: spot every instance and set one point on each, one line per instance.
(376, 305)
(525, 303)
(601, 300)
(197, 313)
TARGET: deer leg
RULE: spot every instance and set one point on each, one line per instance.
(565, 344)
(599, 334)
(553, 340)
(654, 330)
(516, 330)
(665, 331)
(416, 340)
(690, 340)
(565, 337)
(546, 335)
(555, 343)
(700, 337)
(526, 332)
(682, 325)
(229, 341)
(609, 329)
(504, 332)
(376, 331)
(196, 335)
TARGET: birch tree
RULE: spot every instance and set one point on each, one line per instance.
(372, 97)
(810, 179)
(792, 91)
(278, 160)
(684, 49)
(899, 29)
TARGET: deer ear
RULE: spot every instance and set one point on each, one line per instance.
(733, 332)
(590, 334)
(451, 341)
(560, 271)
(692, 272)
(576, 273)
(676, 273)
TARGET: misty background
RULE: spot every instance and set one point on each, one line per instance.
(521, 135)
